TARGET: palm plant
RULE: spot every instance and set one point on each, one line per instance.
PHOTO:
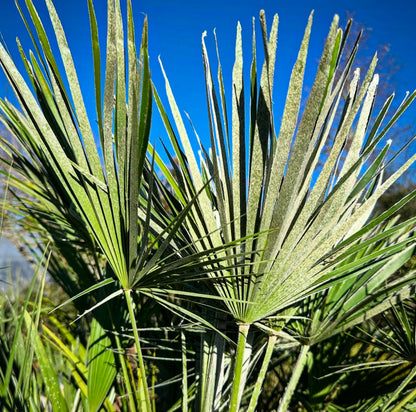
(85, 205)
(60, 158)
(312, 220)
(259, 225)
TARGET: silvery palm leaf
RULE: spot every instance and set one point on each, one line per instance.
(310, 217)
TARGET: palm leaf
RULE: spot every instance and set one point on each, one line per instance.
(312, 217)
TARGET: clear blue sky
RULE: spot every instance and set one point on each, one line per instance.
(175, 29)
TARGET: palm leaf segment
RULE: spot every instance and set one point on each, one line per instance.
(309, 216)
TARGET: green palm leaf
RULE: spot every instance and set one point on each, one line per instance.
(309, 215)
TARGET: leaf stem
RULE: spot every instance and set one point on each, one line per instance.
(262, 373)
(144, 397)
(297, 371)
(241, 365)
